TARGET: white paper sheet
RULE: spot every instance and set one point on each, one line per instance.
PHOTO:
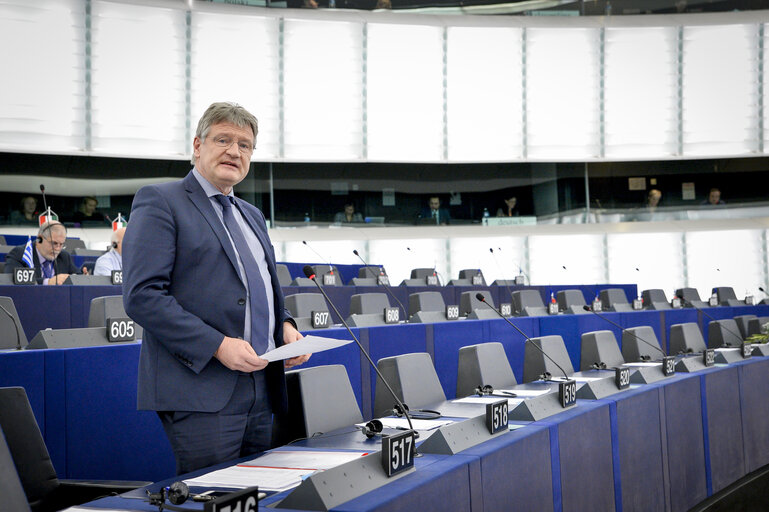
(529, 393)
(308, 345)
(402, 424)
(240, 477)
(303, 459)
(511, 402)
(642, 363)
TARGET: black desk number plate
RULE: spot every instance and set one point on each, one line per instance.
(622, 377)
(506, 309)
(398, 452)
(116, 277)
(121, 329)
(320, 319)
(747, 350)
(452, 312)
(668, 365)
(392, 315)
(496, 416)
(709, 357)
(567, 393)
(246, 500)
(24, 276)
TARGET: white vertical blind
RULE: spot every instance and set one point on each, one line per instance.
(42, 90)
(719, 90)
(235, 58)
(562, 79)
(484, 94)
(405, 92)
(725, 258)
(650, 260)
(401, 256)
(323, 103)
(566, 259)
(138, 91)
(640, 69)
(505, 262)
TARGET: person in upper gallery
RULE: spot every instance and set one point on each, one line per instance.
(349, 215)
(27, 212)
(653, 199)
(510, 208)
(52, 264)
(199, 275)
(714, 198)
(87, 212)
(434, 214)
(112, 259)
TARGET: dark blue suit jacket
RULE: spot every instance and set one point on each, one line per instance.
(181, 283)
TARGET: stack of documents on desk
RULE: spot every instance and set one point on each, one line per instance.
(403, 424)
(275, 471)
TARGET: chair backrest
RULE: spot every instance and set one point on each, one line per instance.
(600, 347)
(326, 398)
(571, 301)
(10, 486)
(686, 338)
(611, 297)
(745, 326)
(481, 365)
(302, 305)
(724, 294)
(470, 273)
(724, 333)
(469, 303)
(2, 240)
(413, 379)
(654, 295)
(421, 273)
(284, 276)
(371, 271)
(74, 243)
(688, 294)
(322, 270)
(28, 450)
(524, 298)
(636, 342)
(368, 303)
(535, 363)
(11, 331)
(426, 301)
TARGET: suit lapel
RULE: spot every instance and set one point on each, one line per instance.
(203, 204)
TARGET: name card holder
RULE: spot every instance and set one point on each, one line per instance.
(452, 312)
(116, 277)
(24, 276)
(622, 377)
(392, 315)
(398, 452)
(496, 416)
(567, 393)
(506, 309)
(668, 365)
(320, 319)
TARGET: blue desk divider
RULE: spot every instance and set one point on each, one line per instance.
(651, 318)
(754, 381)
(26, 369)
(509, 484)
(386, 341)
(727, 459)
(40, 307)
(570, 328)
(448, 338)
(639, 449)
(99, 432)
(685, 441)
(680, 316)
(513, 342)
(56, 403)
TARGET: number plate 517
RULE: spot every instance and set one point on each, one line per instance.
(398, 452)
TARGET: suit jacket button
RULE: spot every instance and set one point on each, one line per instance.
(241, 302)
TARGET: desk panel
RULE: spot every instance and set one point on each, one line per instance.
(722, 391)
(754, 383)
(685, 441)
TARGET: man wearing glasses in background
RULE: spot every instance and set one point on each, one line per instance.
(53, 265)
(199, 275)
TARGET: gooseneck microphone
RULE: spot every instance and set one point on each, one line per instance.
(385, 286)
(13, 321)
(330, 266)
(615, 324)
(739, 337)
(310, 273)
(48, 221)
(481, 298)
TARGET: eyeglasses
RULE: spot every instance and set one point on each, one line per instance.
(56, 245)
(223, 141)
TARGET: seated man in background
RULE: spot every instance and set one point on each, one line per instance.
(349, 215)
(434, 214)
(112, 260)
(87, 212)
(52, 264)
(714, 198)
(27, 212)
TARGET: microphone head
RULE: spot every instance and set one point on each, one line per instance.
(586, 308)
(42, 188)
(355, 252)
(304, 242)
(761, 289)
(480, 297)
(491, 250)
(309, 272)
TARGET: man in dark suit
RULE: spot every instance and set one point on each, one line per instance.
(53, 265)
(434, 214)
(200, 277)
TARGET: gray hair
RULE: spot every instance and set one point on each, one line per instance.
(225, 112)
(50, 226)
